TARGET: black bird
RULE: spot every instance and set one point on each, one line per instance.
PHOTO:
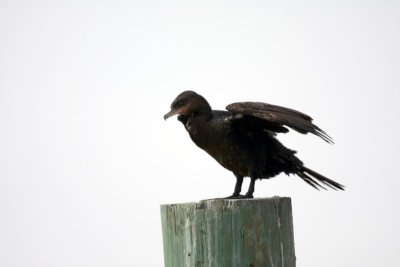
(242, 139)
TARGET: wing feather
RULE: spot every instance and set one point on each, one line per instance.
(274, 118)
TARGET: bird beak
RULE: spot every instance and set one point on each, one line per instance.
(172, 113)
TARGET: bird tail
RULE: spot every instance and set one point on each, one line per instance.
(317, 180)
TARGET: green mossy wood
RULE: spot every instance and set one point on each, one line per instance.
(229, 233)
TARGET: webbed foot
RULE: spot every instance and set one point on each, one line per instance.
(234, 196)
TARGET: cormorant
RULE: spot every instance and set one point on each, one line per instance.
(242, 139)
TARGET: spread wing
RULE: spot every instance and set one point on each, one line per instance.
(275, 118)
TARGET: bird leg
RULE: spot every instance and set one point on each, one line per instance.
(238, 188)
(250, 192)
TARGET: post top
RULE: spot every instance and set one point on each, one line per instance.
(230, 202)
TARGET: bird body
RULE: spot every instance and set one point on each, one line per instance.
(247, 153)
(242, 139)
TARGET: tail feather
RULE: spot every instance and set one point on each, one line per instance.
(317, 180)
(309, 180)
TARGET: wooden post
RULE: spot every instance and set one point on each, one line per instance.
(229, 233)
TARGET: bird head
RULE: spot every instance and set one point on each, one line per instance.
(187, 104)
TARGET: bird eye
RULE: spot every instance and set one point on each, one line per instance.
(180, 103)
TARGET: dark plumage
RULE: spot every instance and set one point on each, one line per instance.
(242, 139)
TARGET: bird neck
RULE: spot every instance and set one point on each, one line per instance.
(198, 123)
(198, 127)
(203, 115)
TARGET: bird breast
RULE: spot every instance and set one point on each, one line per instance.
(216, 140)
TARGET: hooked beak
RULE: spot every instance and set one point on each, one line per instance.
(173, 112)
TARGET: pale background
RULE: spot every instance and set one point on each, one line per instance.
(86, 157)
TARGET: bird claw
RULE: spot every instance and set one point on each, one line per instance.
(248, 196)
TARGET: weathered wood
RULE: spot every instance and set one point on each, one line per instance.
(229, 233)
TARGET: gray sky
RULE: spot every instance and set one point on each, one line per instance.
(86, 158)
